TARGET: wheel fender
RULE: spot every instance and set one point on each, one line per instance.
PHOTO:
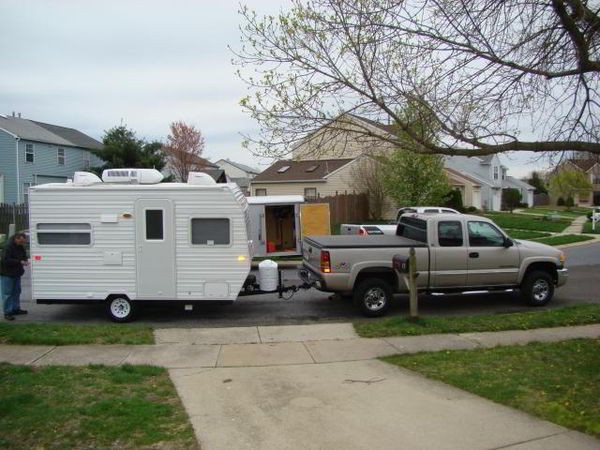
(527, 262)
(385, 266)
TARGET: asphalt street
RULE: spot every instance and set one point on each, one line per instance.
(313, 306)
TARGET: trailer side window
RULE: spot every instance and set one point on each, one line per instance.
(154, 225)
(64, 233)
(210, 231)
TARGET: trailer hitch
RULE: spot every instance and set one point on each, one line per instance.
(252, 287)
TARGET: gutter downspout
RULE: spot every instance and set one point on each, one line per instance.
(18, 170)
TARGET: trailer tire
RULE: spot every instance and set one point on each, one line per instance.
(537, 288)
(373, 297)
(120, 309)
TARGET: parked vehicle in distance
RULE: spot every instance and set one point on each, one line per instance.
(456, 254)
(377, 229)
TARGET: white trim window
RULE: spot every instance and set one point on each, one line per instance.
(310, 192)
(64, 234)
(60, 156)
(26, 187)
(260, 192)
(29, 153)
(495, 172)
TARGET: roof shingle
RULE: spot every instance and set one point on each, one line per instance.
(301, 170)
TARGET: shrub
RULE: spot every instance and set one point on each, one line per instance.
(454, 200)
(569, 203)
(472, 209)
(560, 201)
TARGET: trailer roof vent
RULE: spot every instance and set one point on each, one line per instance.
(200, 179)
(132, 176)
(85, 178)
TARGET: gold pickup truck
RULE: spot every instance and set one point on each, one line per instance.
(456, 254)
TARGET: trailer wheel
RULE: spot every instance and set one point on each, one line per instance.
(373, 297)
(120, 309)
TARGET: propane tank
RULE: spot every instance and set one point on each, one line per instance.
(268, 275)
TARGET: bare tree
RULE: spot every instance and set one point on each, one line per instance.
(184, 148)
(367, 176)
(485, 72)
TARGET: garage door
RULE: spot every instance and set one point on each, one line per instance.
(45, 179)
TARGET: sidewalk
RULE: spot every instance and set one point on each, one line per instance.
(318, 387)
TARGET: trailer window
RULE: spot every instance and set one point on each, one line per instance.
(210, 231)
(64, 233)
(154, 225)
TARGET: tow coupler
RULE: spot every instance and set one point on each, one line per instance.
(252, 287)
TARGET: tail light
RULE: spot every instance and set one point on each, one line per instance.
(325, 262)
(362, 231)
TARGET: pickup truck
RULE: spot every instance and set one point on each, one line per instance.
(456, 254)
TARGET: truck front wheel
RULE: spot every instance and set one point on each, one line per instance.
(373, 297)
(537, 288)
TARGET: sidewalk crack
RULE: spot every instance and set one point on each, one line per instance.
(529, 440)
(41, 356)
(310, 354)
(259, 336)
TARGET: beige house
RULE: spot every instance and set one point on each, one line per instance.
(591, 168)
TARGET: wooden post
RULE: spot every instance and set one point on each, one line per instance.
(412, 287)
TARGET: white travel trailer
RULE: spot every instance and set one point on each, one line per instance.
(130, 239)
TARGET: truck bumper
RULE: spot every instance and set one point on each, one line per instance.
(562, 276)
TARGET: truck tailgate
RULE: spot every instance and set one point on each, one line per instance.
(311, 254)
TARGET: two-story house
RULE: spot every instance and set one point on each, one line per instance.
(480, 180)
(238, 173)
(36, 153)
(591, 167)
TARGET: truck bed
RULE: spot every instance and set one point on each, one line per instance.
(356, 241)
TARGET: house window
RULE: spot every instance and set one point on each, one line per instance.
(310, 192)
(29, 155)
(260, 192)
(597, 179)
(503, 174)
(60, 156)
(64, 233)
(26, 187)
(154, 225)
(495, 172)
(210, 231)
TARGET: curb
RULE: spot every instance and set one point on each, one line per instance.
(579, 244)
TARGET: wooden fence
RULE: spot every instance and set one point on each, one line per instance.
(346, 208)
(16, 214)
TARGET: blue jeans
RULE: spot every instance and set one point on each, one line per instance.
(11, 294)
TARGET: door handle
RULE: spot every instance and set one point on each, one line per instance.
(473, 255)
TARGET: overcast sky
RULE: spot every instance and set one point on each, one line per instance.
(92, 64)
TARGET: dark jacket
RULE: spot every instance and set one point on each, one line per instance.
(12, 256)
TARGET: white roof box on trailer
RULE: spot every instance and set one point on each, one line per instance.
(200, 179)
(140, 176)
(85, 178)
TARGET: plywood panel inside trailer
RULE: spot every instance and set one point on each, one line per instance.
(315, 219)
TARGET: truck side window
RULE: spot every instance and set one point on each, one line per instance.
(483, 234)
(450, 234)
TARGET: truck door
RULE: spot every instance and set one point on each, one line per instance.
(449, 256)
(155, 249)
(490, 263)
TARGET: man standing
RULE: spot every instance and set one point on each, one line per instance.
(14, 261)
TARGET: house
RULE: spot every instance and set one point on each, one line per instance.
(34, 153)
(189, 162)
(591, 167)
(238, 173)
(479, 179)
(311, 178)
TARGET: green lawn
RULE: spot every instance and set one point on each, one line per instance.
(545, 318)
(587, 228)
(564, 239)
(561, 210)
(51, 334)
(91, 407)
(525, 222)
(559, 382)
(524, 234)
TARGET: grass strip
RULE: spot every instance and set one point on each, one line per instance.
(559, 382)
(560, 211)
(56, 334)
(525, 234)
(525, 222)
(91, 407)
(564, 239)
(546, 318)
(587, 228)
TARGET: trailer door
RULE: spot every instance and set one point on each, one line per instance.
(155, 249)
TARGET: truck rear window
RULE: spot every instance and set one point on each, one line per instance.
(412, 228)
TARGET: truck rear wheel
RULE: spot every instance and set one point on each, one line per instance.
(120, 309)
(373, 297)
(537, 288)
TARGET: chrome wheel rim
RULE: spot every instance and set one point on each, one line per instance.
(120, 308)
(541, 289)
(375, 299)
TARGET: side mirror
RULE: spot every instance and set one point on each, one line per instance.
(508, 242)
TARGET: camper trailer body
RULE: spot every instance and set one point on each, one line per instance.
(158, 242)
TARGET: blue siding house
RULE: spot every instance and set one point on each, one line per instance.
(36, 153)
